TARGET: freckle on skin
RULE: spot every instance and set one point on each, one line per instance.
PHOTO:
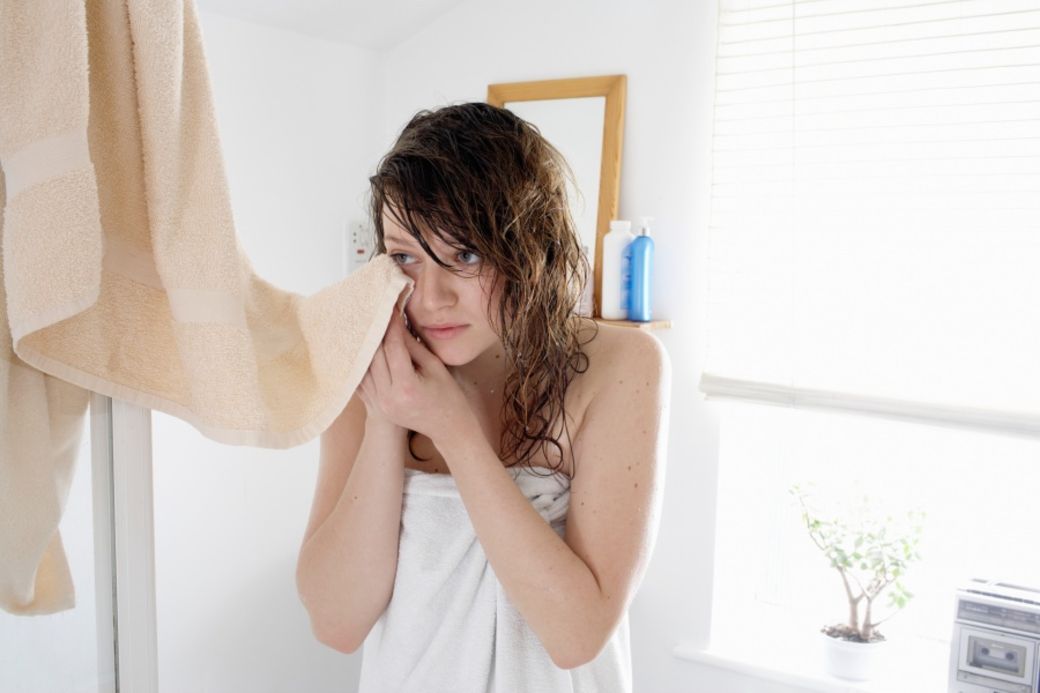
(635, 485)
(629, 467)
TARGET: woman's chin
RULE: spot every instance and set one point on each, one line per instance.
(450, 360)
(445, 353)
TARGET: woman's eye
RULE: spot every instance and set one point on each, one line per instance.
(476, 258)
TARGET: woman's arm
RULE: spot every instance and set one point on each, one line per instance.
(573, 592)
(346, 568)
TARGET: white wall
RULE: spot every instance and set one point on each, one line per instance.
(667, 50)
(294, 115)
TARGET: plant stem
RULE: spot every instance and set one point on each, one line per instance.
(853, 602)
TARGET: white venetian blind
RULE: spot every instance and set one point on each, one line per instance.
(875, 222)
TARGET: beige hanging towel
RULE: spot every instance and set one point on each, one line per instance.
(122, 273)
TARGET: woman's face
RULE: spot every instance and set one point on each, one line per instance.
(442, 297)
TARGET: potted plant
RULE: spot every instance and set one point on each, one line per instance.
(870, 555)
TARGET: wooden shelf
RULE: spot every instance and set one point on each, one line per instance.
(648, 325)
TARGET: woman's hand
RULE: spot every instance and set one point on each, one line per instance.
(422, 396)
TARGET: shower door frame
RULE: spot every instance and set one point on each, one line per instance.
(124, 545)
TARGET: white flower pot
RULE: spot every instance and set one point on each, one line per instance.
(855, 661)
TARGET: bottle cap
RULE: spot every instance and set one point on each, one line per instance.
(620, 225)
(644, 226)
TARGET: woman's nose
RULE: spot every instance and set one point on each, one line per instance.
(435, 288)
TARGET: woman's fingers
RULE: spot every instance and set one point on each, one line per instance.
(420, 354)
(379, 370)
(398, 358)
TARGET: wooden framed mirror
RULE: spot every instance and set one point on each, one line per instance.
(584, 118)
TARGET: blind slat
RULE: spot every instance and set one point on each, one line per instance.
(734, 67)
(845, 12)
(1015, 423)
(748, 32)
(787, 49)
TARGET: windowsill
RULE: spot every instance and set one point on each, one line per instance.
(912, 665)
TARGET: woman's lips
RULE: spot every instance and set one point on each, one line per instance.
(445, 333)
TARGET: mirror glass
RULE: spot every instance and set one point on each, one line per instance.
(575, 127)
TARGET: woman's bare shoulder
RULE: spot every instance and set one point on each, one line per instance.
(622, 361)
(615, 354)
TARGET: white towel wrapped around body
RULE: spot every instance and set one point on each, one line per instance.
(449, 626)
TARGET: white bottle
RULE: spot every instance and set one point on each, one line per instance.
(616, 271)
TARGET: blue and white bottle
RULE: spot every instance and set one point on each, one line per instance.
(641, 264)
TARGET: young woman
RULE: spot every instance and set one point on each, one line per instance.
(488, 501)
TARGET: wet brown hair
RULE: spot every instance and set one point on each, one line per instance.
(485, 181)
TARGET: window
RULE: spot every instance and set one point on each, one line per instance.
(875, 268)
(979, 490)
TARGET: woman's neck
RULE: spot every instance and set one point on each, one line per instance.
(485, 375)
